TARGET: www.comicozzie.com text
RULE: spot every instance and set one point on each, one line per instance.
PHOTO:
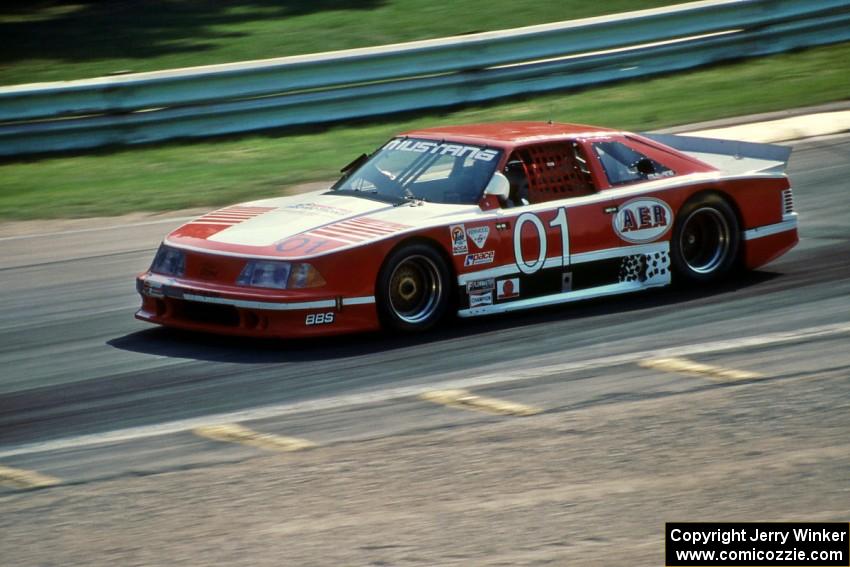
(727, 536)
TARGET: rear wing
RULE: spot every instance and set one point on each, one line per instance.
(730, 156)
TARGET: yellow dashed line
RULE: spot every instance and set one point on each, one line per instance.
(685, 366)
(232, 433)
(19, 478)
(464, 400)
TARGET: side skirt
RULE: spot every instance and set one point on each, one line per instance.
(565, 297)
(589, 275)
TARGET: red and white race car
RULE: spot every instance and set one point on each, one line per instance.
(476, 220)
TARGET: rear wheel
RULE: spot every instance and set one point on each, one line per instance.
(706, 239)
(413, 288)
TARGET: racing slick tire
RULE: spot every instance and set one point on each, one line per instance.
(706, 239)
(413, 291)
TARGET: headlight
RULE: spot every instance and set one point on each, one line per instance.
(280, 275)
(169, 261)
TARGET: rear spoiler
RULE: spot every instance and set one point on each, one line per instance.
(730, 156)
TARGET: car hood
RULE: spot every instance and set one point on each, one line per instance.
(305, 225)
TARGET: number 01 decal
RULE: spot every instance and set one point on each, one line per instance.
(559, 221)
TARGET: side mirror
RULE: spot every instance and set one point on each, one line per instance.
(499, 187)
(644, 166)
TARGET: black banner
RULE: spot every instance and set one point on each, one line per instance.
(761, 544)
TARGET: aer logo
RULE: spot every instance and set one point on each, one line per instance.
(643, 220)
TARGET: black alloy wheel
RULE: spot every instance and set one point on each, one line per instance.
(706, 239)
(413, 288)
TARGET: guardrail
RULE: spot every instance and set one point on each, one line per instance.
(241, 97)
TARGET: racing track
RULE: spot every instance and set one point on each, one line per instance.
(75, 363)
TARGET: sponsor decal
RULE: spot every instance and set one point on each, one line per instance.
(643, 220)
(478, 235)
(661, 174)
(319, 209)
(168, 289)
(479, 258)
(459, 245)
(153, 289)
(179, 292)
(506, 289)
(477, 286)
(319, 318)
(441, 148)
(481, 299)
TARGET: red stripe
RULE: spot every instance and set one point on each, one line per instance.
(370, 228)
(356, 230)
(365, 228)
(340, 237)
(378, 224)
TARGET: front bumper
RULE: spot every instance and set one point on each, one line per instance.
(199, 307)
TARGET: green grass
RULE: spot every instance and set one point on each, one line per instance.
(223, 171)
(51, 40)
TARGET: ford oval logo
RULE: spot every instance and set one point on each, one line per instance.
(643, 220)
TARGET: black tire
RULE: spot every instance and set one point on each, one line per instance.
(413, 289)
(705, 242)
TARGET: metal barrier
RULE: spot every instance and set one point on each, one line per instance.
(241, 97)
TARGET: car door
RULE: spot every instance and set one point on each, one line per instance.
(561, 213)
(578, 238)
(577, 225)
(639, 220)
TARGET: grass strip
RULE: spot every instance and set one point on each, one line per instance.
(217, 172)
(50, 40)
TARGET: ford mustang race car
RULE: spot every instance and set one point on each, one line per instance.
(476, 220)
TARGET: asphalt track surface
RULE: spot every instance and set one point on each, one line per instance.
(88, 393)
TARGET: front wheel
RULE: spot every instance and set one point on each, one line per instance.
(413, 289)
(705, 242)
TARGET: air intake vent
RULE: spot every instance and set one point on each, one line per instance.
(787, 202)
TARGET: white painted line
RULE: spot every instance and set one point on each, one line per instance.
(261, 305)
(173, 220)
(275, 306)
(456, 381)
(365, 300)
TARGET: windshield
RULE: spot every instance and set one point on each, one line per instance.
(435, 171)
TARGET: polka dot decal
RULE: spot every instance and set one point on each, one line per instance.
(633, 268)
(645, 267)
(657, 266)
